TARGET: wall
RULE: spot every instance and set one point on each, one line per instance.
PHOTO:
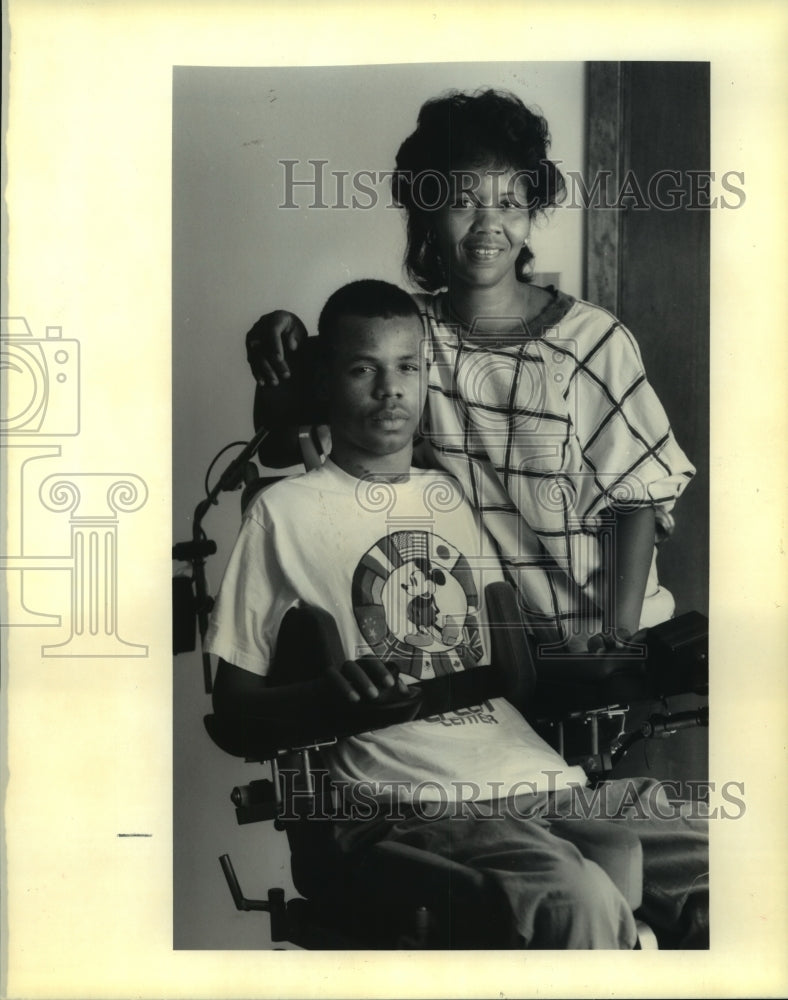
(236, 255)
(651, 269)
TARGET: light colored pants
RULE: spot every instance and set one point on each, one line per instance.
(559, 899)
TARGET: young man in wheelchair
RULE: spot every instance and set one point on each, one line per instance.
(396, 555)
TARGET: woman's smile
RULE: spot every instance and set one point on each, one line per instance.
(483, 252)
(480, 236)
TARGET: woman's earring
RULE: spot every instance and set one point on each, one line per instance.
(523, 264)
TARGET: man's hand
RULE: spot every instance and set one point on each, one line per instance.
(368, 679)
(267, 341)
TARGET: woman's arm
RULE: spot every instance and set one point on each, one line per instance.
(626, 570)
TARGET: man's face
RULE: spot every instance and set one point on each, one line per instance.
(376, 389)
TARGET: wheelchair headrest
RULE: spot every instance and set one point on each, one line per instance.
(289, 406)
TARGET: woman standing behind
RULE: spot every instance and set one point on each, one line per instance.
(538, 403)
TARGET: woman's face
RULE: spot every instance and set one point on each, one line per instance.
(481, 230)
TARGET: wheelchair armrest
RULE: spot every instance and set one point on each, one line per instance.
(574, 684)
(672, 660)
(304, 714)
(310, 713)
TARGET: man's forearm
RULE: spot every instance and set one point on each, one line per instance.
(240, 692)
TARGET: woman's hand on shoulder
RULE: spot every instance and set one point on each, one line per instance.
(267, 341)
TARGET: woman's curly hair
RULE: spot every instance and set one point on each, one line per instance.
(460, 131)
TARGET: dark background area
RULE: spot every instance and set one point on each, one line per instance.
(650, 267)
(644, 118)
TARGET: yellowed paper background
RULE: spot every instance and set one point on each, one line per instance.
(89, 740)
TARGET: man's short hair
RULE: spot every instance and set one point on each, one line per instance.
(368, 297)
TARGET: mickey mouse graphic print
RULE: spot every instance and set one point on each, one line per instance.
(401, 567)
(417, 605)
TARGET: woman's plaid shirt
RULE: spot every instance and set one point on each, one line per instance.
(547, 428)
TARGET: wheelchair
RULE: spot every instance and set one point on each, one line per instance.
(390, 895)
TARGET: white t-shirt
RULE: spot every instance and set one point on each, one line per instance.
(401, 567)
